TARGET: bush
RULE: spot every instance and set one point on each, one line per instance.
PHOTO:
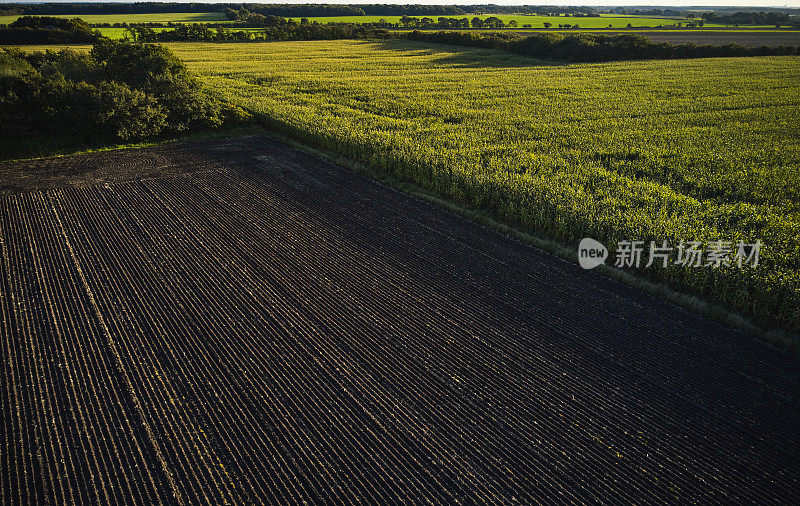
(119, 91)
(122, 112)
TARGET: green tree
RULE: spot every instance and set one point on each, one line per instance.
(230, 14)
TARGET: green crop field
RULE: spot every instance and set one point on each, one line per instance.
(112, 33)
(661, 150)
(119, 33)
(175, 17)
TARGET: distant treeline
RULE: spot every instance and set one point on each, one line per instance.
(683, 11)
(285, 10)
(246, 19)
(107, 8)
(750, 18)
(719, 15)
(587, 47)
(288, 30)
(541, 10)
(48, 30)
(311, 10)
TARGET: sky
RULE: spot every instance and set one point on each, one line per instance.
(604, 3)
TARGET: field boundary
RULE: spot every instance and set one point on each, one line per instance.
(227, 132)
(686, 301)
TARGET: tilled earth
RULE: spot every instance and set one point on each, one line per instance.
(238, 321)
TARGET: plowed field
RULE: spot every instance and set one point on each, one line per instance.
(240, 321)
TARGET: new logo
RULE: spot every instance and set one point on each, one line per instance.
(591, 253)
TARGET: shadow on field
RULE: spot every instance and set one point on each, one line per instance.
(461, 56)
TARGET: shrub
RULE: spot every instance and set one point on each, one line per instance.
(119, 91)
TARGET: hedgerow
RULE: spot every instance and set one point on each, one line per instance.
(589, 47)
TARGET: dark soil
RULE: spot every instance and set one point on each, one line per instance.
(240, 321)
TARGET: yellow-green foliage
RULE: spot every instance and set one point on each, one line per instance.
(657, 150)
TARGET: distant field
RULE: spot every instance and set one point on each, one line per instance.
(112, 33)
(744, 37)
(188, 17)
(118, 33)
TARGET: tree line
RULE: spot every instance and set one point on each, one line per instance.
(247, 19)
(47, 30)
(588, 47)
(282, 30)
(84, 8)
(285, 10)
(751, 18)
